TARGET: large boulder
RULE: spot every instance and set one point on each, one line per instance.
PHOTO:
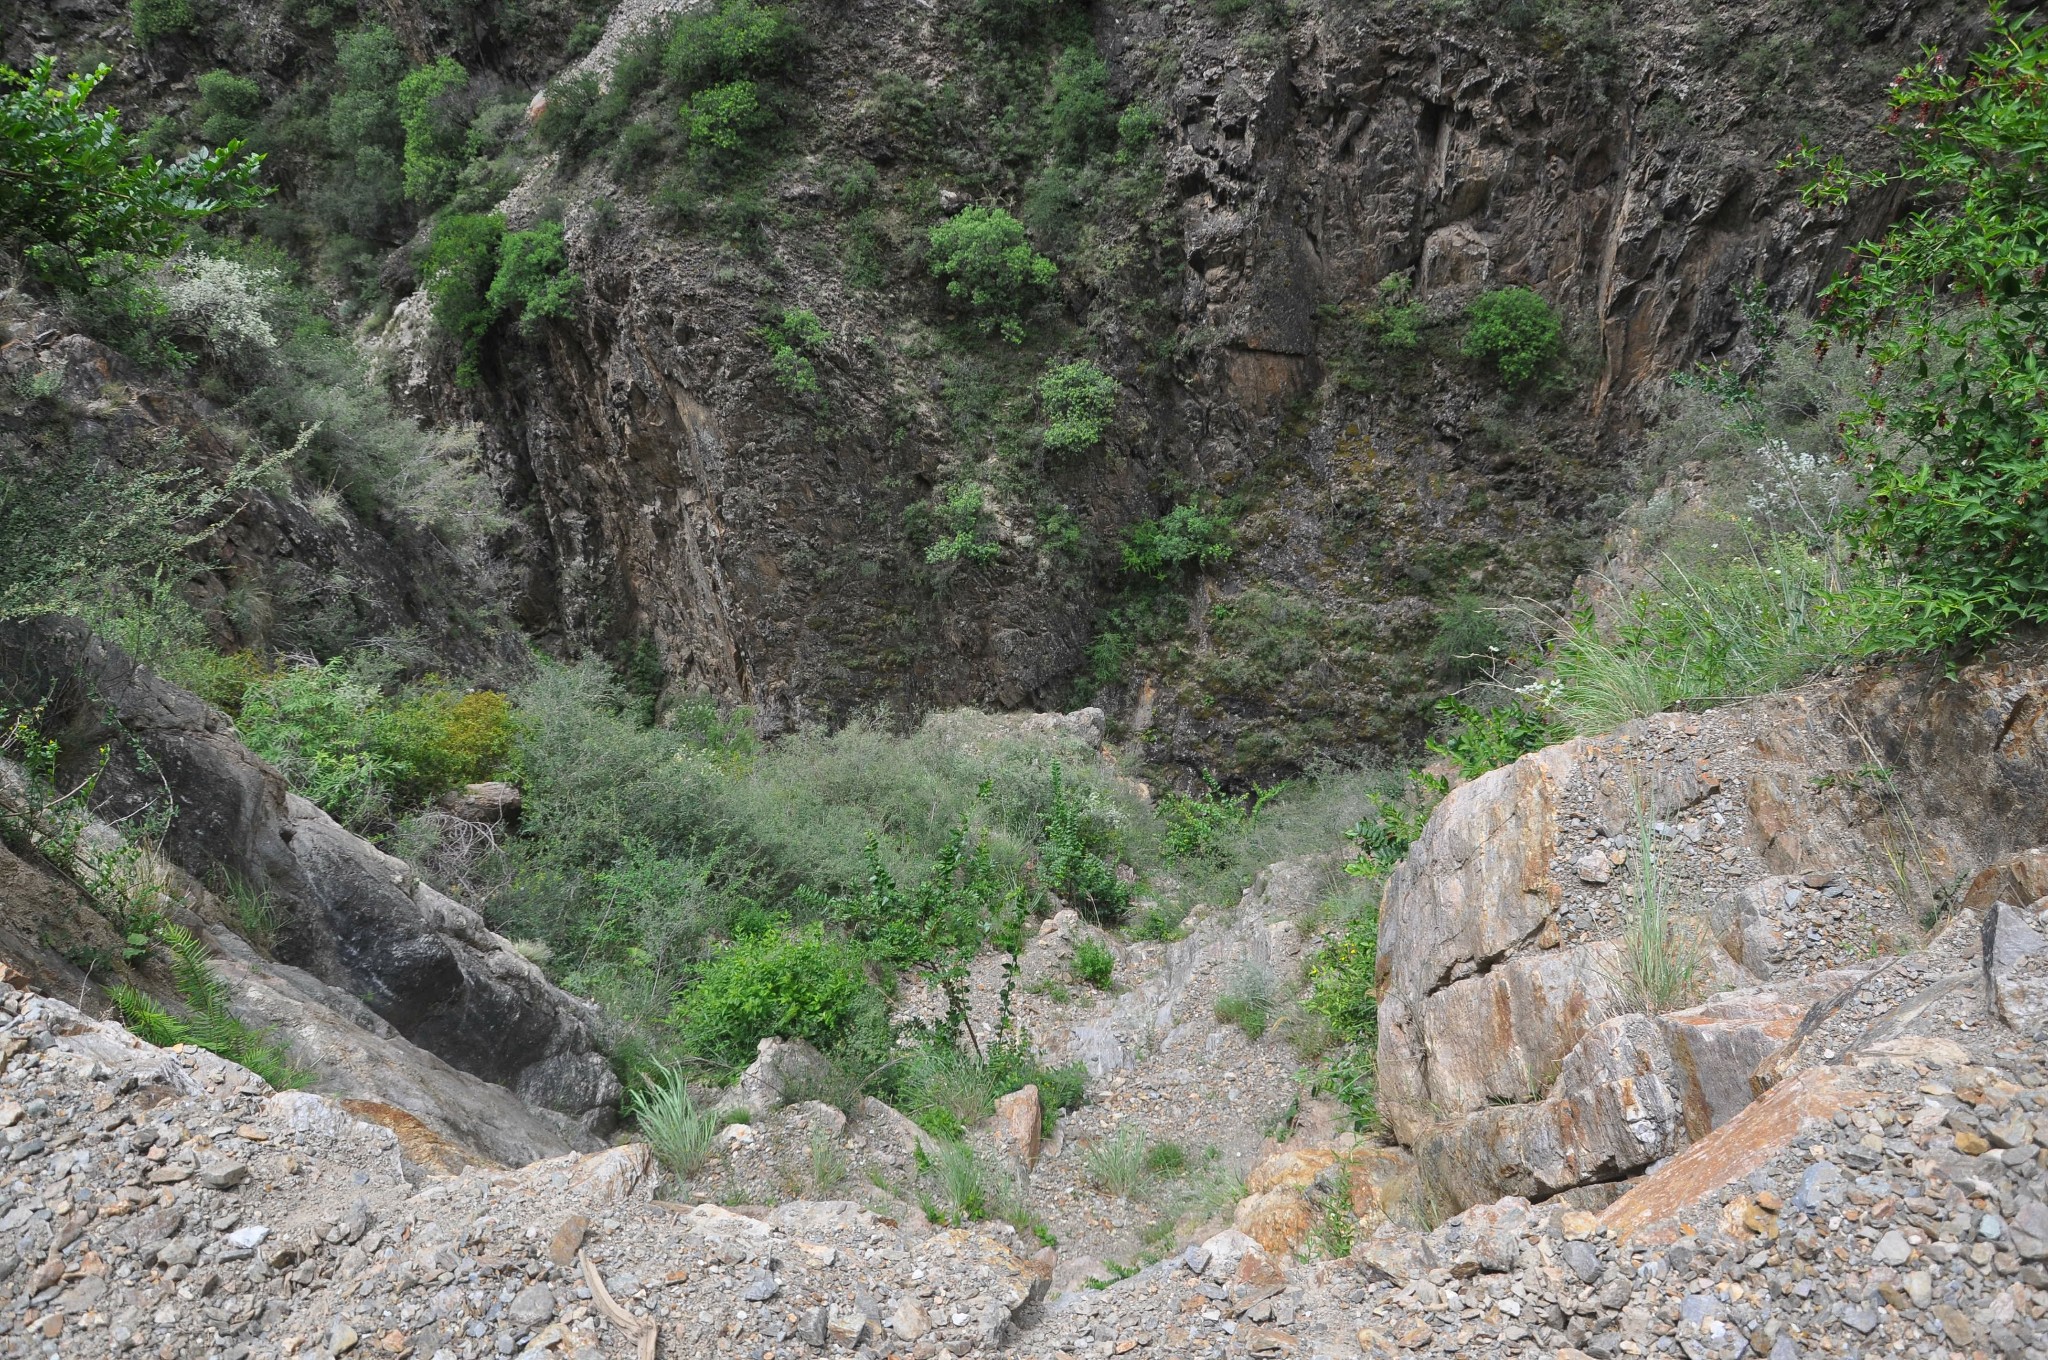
(350, 915)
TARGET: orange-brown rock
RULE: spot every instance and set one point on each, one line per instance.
(1278, 1220)
(1019, 1124)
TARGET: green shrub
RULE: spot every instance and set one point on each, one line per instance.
(1183, 539)
(1094, 964)
(1478, 740)
(1158, 923)
(227, 107)
(722, 117)
(734, 39)
(791, 342)
(77, 194)
(1078, 399)
(1166, 1159)
(1198, 828)
(1513, 329)
(573, 119)
(151, 21)
(963, 527)
(1068, 862)
(775, 983)
(434, 126)
(1078, 116)
(532, 282)
(1343, 993)
(1949, 304)
(988, 264)
(1137, 131)
(1383, 835)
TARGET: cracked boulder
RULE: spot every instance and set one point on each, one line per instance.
(2016, 966)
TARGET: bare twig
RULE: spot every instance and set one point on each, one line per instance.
(647, 1330)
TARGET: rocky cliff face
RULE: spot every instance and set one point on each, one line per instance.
(1619, 159)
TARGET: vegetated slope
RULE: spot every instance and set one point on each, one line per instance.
(1267, 230)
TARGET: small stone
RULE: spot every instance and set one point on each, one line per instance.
(1971, 1143)
(1861, 1317)
(170, 1175)
(568, 1240)
(1583, 1260)
(1784, 1348)
(910, 1320)
(250, 1133)
(342, 1339)
(761, 1288)
(223, 1175)
(532, 1306)
(10, 1114)
(1919, 1285)
(1593, 867)
(1195, 1258)
(1956, 1325)
(2013, 1133)
(1991, 1227)
(1892, 1249)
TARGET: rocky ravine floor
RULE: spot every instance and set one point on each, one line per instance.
(1886, 1196)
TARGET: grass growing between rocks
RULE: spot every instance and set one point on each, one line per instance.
(679, 1133)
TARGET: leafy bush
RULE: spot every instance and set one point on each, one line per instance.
(227, 107)
(1079, 112)
(1478, 740)
(76, 192)
(434, 128)
(1181, 540)
(735, 39)
(1197, 828)
(988, 264)
(1094, 964)
(1158, 923)
(220, 301)
(777, 982)
(1078, 400)
(151, 21)
(476, 273)
(1343, 993)
(1950, 303)
(963, 521)
(791, 342)
(722, 117)
(1382, 836)
(532, 282)
(1068, 864)
(1137, 131)
(1513, 329)
(359, 755)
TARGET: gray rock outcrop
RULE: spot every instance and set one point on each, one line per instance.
(350, 916)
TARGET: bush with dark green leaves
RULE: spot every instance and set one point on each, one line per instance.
(227, 108)
(435, 120)
(1078, 399)
(151, 21)
(987, 263)
(1513, 329)
(476, 273)
(77, 194)
(776, 982)
(1950, 307)
(1079, 115)
(1182, 540)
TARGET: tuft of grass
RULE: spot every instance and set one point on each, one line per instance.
(256, 915)
(963, 1193)
(1166, 1159)
(828, 1163)
(1335, 1229)
(1117, 1165)
(1248, 1000)
(1094, 964)
(679, 1133)
(1662, 967)
(946, 1091)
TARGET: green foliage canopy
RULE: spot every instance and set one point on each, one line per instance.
(1515, 330)
(987, 263)
(1950, 307)
(75, 190)
(1078, 398)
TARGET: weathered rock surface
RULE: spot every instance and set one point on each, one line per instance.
(2016, 967)
(1506, 1054)
(351, 916)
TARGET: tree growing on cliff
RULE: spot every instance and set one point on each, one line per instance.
(988, 264)
(1513, 329)
(1950, 306)
(77, 193)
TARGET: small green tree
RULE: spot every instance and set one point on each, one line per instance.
(151, 21)
(1182, 539)
(1078, 399)
(1515, 330)
(434, 129)
(532, 282)
(227, 109)
(75, 191)
(462, 262)
(722, 117)
(1950, 307)
(983, 255)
